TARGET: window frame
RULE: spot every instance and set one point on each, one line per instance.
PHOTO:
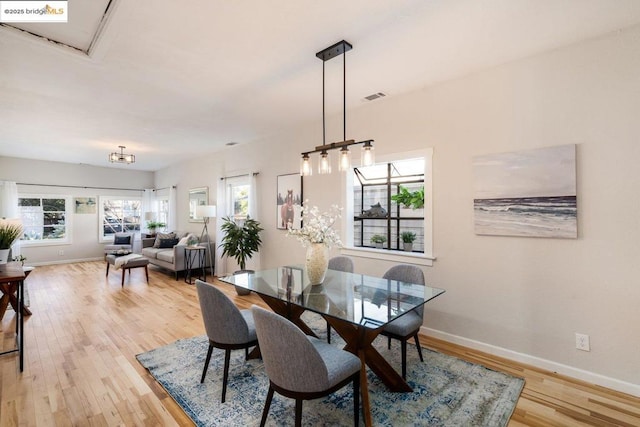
(398, 256)
(160, 204)
(240, 181)
(108, 239)
(68, 221)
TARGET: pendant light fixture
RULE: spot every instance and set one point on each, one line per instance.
(121, 157)
(344, 159)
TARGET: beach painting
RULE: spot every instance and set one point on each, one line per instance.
(526, 193)
(85, 205)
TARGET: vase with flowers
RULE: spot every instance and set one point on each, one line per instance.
(318, 236)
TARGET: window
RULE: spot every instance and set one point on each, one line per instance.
(119, 214)
(374, 230)
(44, 219)
(238, 190)
(163, 210)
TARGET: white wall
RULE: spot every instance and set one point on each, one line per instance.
(84, 227)
(526, 296)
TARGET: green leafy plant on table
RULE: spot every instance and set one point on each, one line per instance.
(9, 233)
(152, 225)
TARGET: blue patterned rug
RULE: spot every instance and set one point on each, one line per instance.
(447, 391)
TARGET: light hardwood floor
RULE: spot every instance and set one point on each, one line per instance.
(81, 342)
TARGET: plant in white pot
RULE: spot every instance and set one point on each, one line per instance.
(153, 225)
(241, 240)
(10, 231)
(378, 240)
(408, 237)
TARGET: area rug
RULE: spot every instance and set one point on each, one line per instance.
(446, 391)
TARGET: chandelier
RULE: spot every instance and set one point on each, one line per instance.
(121, 157)
(344, 162)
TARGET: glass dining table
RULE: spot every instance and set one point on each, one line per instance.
(356, 306)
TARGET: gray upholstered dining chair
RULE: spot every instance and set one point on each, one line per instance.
(302, 367)
(228, 327)
(339, 263)
(407, 325)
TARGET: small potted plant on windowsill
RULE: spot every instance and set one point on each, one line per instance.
(378, 240)
(408, 238)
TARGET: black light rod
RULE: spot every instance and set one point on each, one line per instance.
(334, 145)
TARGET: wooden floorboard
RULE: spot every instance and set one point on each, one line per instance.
(85, 331)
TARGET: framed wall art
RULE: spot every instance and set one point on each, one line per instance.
(85, 205)
(527, 193)
(289, 201)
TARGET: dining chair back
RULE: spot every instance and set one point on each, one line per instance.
(339, 263)
(302, 367)
(227, 327)
(408, 325)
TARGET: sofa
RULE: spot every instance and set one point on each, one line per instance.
(161, 252)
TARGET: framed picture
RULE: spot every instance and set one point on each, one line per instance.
(527, 193)
(85, 205)
(197, 197)
(289, 201)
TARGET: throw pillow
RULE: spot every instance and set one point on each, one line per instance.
(167, 243)
(183, 241)
(161, 236)
(121, 240)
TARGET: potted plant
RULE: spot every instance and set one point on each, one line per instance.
(378, 240)
(407, 240)
(240, 241)
(152, 225)
(10, 231)
(409, 199)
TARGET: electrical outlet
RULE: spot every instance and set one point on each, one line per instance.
(582, 342)
(61, 252)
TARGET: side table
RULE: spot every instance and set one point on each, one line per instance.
(194, 259)
(13, 273)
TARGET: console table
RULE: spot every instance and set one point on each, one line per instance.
(12, 273)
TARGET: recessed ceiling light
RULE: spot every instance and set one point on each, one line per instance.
(375, 96)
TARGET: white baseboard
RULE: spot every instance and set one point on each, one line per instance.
(580, 374)
(65, 261)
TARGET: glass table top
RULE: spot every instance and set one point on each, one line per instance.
(357, 298)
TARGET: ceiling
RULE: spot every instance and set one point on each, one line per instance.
(174, 81)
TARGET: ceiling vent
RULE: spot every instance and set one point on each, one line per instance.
(375, 96)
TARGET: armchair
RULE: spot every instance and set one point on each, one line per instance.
(120, 241)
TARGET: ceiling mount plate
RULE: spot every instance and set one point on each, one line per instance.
(334, 50)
